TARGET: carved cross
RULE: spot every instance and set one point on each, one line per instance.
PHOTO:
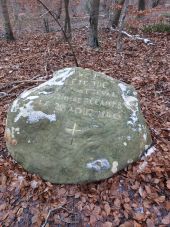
(73, 131)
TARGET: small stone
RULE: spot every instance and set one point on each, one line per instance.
(34, 184)
(114, 167)
(79, 126)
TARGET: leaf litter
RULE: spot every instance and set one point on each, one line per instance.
(138, 196)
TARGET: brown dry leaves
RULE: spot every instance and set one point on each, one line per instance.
(130, 198)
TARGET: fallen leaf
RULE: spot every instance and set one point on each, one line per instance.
(3, 179)
(136, 224)
(150, 223)
(93, 219)
(97, 210)
(107, 209)
(147, 69)
(107, 224)
(168, 184)
(127, 224)
(141, 191)
(160, 199)
(83, 199)
(166, 220)
(77, 195)
(139, 217)
(117, 203)
(127, 206)
(3, 206)
(34, 219)
(167, 205)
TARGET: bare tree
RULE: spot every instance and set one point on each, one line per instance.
(121, 26)
(6, 21)
(59, 9)
(115, 13)
(141, 5)
(67, 24)
(15, 9)
(64, 34)
(155, 3)
(46, 24)
(94, 16)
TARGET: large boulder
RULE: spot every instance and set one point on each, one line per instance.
(79, 126)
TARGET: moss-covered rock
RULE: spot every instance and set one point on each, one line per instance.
(80, 126)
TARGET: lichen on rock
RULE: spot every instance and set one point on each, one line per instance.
(79, 126)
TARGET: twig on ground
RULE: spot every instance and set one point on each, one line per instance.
(63, 220)
(156, 134)
(37, 76)
(165, 129)
(20, 82)
(15, 87)
(43, 77)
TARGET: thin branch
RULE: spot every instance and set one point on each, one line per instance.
(49, 213)
(43, 14)
(65, 36)
(47, 13)
(20, 82)
(165, 129)
(55, 209)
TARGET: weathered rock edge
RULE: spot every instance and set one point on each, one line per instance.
(71, 143)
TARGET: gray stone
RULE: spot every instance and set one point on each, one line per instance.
(79, 126)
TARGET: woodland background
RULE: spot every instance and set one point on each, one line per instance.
(137, 196)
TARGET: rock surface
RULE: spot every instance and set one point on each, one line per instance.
(79, 126)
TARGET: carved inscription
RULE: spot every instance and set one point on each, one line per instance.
(89, 98)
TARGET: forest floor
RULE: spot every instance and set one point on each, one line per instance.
(138, 196)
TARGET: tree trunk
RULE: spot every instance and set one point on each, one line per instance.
(121, 26)
(15, 8)
(67, 25)
(46, 24)
(141, 5)
(6, 21)
(59, 9)
(94, 16)
(155, 3)
(115, 14)
(106, 7)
